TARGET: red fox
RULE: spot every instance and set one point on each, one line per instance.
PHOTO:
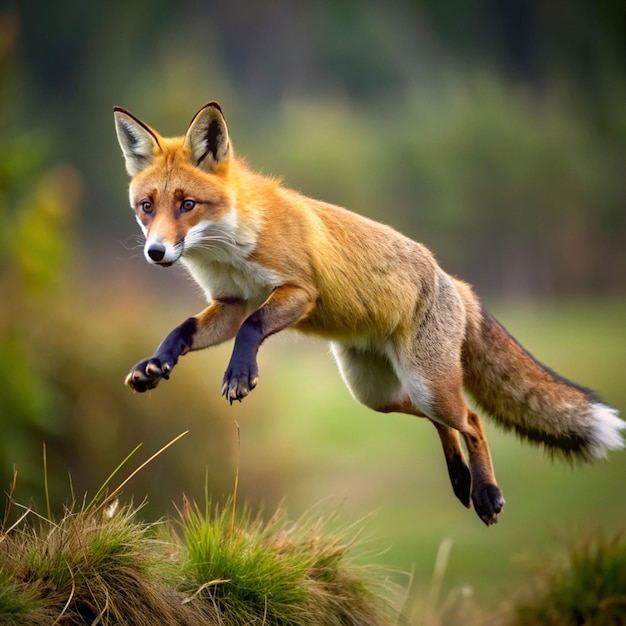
(407, 337)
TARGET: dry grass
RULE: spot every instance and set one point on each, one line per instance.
(100, 564)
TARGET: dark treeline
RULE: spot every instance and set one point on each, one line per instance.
(489, 130)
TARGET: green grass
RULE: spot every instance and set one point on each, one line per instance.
(90, 567)
(274, 572)
(588, 586)
(100, 564)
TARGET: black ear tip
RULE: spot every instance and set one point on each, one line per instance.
(118, 109)
(215, 105)
(210, 111)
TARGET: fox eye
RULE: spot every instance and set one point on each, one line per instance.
(187, 205)
(146, 206)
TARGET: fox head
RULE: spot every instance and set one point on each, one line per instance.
(179, 186)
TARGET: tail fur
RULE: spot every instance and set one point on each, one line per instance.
(523, 395)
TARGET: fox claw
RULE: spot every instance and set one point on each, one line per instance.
(147, 374)
(231, 394)
(237, 386)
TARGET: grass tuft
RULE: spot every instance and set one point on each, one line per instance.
(88, 568)
(103, 566)
(589, 587)
(275, 573)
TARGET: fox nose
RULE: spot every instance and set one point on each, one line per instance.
(156, 252)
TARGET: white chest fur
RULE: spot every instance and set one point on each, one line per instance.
(241, 279)
(216, 255)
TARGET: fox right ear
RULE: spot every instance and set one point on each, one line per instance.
(137, 140)
(207, 139)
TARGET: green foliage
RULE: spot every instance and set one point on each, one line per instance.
(588, 588)
(100, 564)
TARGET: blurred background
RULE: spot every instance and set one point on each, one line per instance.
(493, 132)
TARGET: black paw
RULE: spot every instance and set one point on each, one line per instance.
(488, 502)
(147, 374)
(239, 380)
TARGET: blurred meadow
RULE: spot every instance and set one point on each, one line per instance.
(495, 133)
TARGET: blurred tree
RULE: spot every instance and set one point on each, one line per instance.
(36, 206)
(385, 62)
(64, 349)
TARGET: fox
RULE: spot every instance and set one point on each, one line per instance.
(407, 337)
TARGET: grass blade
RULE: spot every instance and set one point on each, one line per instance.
(119, 488)
(110, 477)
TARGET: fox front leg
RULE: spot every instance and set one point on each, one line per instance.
(286, 306)
(216, 324)
(147, 373)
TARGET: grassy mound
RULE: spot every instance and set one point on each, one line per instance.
(102, 565)
(587, 587)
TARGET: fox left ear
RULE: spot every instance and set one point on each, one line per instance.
(207, 138)
(137, 140)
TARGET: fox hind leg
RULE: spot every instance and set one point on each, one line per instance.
(458, 471)
(429, 368)
(375, 382)
(460, 476)
(486, 495)
(449, 409)
(372, 380)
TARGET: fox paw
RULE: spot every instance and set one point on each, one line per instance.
(239, 380)
(147, 374)
(488, 503)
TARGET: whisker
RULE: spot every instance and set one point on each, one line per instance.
(135, 250)
(138, 242)
(210, 241)
(218, 242)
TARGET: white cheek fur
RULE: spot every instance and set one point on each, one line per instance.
(144, 230)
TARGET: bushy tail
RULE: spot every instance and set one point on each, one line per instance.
(523, 395)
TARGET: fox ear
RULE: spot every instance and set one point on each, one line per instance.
(137, 140)
(207, 138)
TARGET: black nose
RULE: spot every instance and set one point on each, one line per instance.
(156, 252)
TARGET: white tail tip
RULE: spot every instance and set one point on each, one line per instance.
(606, 430)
